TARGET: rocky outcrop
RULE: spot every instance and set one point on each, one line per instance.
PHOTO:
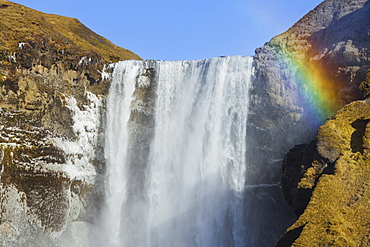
(53, 80)
(326, 180)
(303, 76)
(327, 183)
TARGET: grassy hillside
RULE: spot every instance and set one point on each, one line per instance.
(19, 24)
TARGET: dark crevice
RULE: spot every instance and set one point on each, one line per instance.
(305, 194)
(330, 167)
(91, 79)
(288, 239)
(358, 134)
(10, 85)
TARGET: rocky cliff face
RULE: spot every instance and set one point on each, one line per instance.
(325, 180)
(303, 76)
(53, 79)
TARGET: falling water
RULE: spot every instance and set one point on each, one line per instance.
(176, 143)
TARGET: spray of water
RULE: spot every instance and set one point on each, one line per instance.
(176, 177)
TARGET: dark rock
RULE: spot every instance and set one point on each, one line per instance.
(295, 162)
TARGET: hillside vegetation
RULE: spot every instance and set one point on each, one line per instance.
(20, 24)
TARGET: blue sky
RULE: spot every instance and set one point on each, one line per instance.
(182, 30)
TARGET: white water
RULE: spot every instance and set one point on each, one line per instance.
(190, 190)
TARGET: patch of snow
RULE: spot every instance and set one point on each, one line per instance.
(10, 144)
(68, 147)
(13, 57)
(143, 81)
(81, 61)
(104, 74)
(21, 45)
(84, 61)
(81, 152)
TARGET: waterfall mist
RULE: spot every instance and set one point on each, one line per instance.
(176, 150)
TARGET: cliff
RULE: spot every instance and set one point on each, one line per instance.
(53, 82)
(326, 179)
(303, 76)
(327, 182)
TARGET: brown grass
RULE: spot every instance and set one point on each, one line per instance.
(338, 213)
(19, 23)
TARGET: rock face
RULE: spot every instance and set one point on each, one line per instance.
(327, 182)
(53, 81)
(303, 76)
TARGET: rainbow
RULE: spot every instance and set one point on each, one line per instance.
(317, 91)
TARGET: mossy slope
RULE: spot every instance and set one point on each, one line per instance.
(19, 24)
(338, 212)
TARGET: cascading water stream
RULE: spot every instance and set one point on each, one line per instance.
(118, 111)
(177, 172)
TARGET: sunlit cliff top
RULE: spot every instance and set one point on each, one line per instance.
(19, 24)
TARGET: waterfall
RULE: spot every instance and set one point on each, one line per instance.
(176, 152)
